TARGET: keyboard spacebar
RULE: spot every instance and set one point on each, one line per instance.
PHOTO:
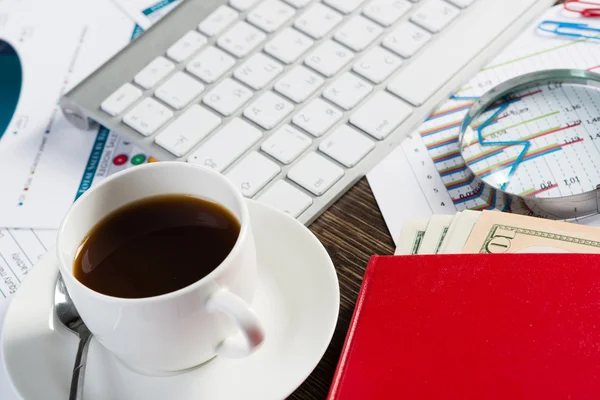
(454, 49)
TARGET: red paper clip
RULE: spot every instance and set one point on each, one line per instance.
(585, 8)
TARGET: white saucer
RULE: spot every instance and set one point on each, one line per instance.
(297, 299)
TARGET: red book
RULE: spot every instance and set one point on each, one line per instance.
(474, 326)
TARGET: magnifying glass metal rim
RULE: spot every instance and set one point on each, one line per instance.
(564, 208)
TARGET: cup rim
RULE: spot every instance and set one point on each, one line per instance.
(244, 228)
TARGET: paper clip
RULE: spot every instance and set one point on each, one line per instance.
(570, 29)
(585, 8)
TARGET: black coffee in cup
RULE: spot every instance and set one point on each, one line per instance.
(155, 246)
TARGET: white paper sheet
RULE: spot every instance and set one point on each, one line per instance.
(414, 181)
(40, 152)
(44, 161)
(67, 163)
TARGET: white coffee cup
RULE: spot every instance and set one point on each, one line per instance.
(182, 329)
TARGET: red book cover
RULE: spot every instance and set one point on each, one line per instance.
(474, 326)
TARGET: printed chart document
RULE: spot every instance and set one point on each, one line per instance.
(40, 150)
(58, 162)
(45, 162)
(426, 175)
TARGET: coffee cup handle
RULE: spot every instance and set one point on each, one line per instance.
(247, 321)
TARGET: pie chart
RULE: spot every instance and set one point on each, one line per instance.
(11, 78)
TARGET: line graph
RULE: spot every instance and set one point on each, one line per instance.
(430, 164)
(440, 132)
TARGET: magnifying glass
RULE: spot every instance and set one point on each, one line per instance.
(532, 144)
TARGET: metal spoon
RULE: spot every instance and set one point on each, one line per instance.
(67, 314)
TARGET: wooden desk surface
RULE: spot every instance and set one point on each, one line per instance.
(352, 230)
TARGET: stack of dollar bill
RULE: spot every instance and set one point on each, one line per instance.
(495, 232)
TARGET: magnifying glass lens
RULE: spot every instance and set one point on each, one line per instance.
(541, 142)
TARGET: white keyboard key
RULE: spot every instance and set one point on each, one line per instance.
(406, 39)
(380, 115)
(346, 146)
(286, 198)
(329, 58)
(258, 71)
(286, 144)
(226, 145)
(193, 125)
(227, 97)
(299, 83)
(411, 87)
(358, 33)
(242, 5)
(377, 65)
(121, 99)
(315, 173)
(344, 6)
(270, 15)
(179, 90)
(435, 15)
(347, 91)
(288, 45)
(241, 39)
(147, 116)
(216, 22)
(210, 64)
(317, 117)
(154, 72)
(298, 3)
(462, 3)
(190, 43)
(268, 110)
(318, 20)
(386, 12)
(252, 173)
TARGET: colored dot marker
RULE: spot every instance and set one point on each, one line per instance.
(20, 204)
(120, 159)
(138, 159)
(152, 159)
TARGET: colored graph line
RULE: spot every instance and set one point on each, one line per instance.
(485, 155)
(446, 156)
(452, 170)
(455, 97)
(449, 111)
(486, 206)
(487, 135)
(538, 153)
(441, 143)
(473, 195)
(440, 128)
(546, 132)
(454, 124)
(157, 6)
(506, 164)
(460, 183)
(507, 205)
(532, 55)
(593, 68)
(532, 192)
(525, 143)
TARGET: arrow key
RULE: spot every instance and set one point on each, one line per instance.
(252, 173)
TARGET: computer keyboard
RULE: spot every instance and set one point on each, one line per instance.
(293, 100)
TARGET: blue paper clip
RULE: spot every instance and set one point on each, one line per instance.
(570, 29)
